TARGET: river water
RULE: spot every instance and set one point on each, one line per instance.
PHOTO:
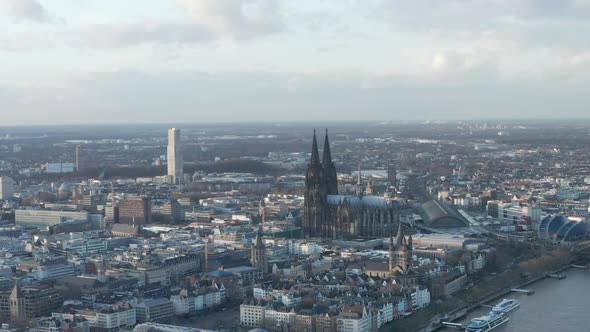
(556, 305)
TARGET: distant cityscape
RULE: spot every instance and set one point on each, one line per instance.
(261, 227)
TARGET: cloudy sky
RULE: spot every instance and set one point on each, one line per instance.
(113, 61)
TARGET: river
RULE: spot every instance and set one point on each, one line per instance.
(556, 305)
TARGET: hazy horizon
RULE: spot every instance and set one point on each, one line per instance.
(228, 61)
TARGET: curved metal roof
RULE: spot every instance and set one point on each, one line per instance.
(559, 228)
(437, 214)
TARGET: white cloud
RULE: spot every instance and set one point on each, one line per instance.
(116, 35)
(236, 18)
(28, 10)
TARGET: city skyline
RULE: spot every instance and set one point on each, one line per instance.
(270, 60)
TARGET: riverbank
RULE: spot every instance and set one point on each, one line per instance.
(436, 322)
(557, 305)
(517, 266)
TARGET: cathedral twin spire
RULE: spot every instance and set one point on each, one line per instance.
(315, 154)
(323, 171)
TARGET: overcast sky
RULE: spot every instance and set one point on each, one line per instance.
(136, 61)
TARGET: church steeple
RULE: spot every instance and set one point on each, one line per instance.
(259, 235)
(16, 303)
(258, 253)
(262, 211)
(359, 183)
(391, 255)
(314, 176)
(327, 153)
(329, 170)
(315, 155)
(399, 236)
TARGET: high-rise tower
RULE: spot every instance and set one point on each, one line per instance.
(175, 159)
(392, 175)
(78, 158)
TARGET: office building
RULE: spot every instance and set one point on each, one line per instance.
(175, 158)
(137, 210)
(46, 218)
(6, 187)
(154, 310)
(28, 302)
(110, 318)
(514, 213)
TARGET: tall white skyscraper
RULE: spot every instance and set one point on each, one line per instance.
(175, 159)
(6, 187)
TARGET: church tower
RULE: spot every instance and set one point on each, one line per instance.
(262, 211)
(391, 255)
(329, 169)
(258, 253)
(17, 303)
(400, 257)
(315, 194)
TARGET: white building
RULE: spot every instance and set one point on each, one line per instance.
(512, 213)
(260, 293)
(186, 303)
(304, 248)
(110, 320)
(58, 168)
(282, 319)
(175, 157)
(252, 315)
(386, 312)
(400, 306)
(53, 271)
(354, 320)
(45, 218)
(420, 298)
(6, 187)
(290, 300)
(80, 245)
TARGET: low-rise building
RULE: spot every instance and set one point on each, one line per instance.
(252, 315)
(354, 319)
(154, 310)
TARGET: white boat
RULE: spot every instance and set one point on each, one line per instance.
(506, 306)
(486, 323)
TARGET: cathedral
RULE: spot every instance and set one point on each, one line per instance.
(330, 215)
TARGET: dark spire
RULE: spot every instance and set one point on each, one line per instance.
(16, 291)
(359, 184)
(327, 154)
(400, 235)
(259, 243)
(315, 155)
